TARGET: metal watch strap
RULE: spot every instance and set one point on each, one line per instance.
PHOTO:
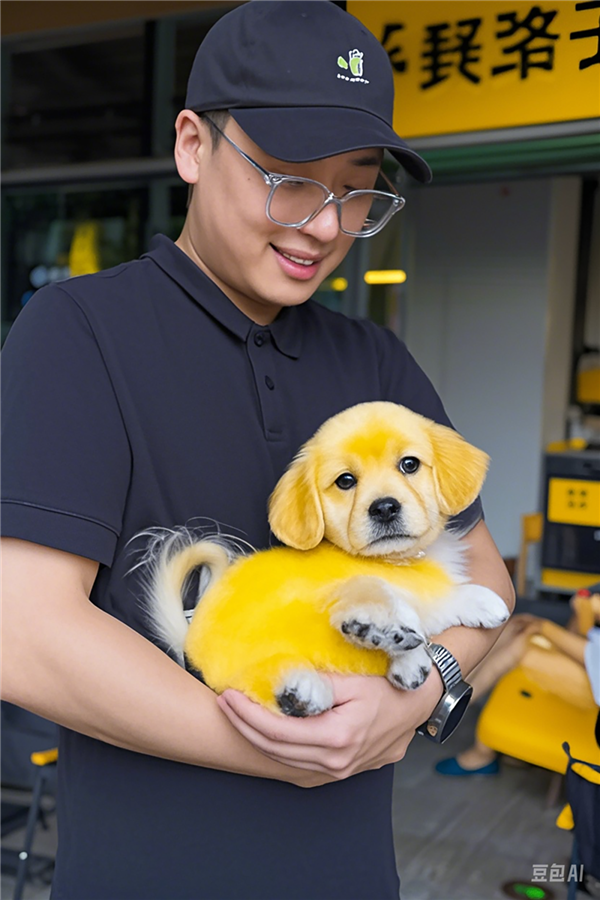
(453, 703)
(446, 665)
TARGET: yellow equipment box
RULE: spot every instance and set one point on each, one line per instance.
(571, 535)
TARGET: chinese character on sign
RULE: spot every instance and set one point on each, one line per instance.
(536, 25)
(442, 55)
(557, 873)
(589, 32)
(394, 52)
(539, 873)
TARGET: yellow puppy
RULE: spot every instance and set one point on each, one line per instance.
(367, 575)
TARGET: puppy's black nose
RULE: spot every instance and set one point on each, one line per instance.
(384, 509)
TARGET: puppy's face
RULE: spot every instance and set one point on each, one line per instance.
(377, 491)
(376, 480)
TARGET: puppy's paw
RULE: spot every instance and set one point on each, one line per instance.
(409, 670)
(393, 637)
(481, 608)
(304, 693)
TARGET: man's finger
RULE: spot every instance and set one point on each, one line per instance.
(315, 731)
(301, 756)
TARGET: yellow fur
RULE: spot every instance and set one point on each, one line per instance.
(270, 613)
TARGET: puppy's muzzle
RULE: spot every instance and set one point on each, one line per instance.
(384, 510)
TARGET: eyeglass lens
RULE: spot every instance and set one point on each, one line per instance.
(294, 201)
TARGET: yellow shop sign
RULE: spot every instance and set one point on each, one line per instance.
(471, 65)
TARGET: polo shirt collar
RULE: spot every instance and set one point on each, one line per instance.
(286, 329)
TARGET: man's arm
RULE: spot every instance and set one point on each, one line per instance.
(372, 723)
(67, 660)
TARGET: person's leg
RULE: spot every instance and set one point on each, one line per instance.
(506, 653)
(477, 756)
(559, 674)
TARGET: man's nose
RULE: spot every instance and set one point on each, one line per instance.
(326, 226)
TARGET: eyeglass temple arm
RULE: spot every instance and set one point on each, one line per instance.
(266, 175)
(389, 184)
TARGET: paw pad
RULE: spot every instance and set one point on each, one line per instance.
(291, 704)
(391, 638)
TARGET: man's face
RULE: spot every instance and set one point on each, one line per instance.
(229, 236)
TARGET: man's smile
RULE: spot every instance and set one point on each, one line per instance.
(297, 263)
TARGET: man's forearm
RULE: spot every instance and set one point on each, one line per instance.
(80, 667)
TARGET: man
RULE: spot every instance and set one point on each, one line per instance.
(179, 386)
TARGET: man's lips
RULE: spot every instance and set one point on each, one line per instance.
(297, 263)
(302, 255)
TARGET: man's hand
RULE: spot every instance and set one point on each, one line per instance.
(370, 725)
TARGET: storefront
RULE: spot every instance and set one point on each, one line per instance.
(88, 112)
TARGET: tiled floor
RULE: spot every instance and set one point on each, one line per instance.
(456, 839)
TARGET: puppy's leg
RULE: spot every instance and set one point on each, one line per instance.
(371, 613)
(409, 670)
(304, 692)
(285, 683)
(468, 604)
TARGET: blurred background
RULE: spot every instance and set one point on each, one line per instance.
(491, 275)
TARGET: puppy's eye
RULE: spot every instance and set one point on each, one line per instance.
(345, 481)
(409, 465)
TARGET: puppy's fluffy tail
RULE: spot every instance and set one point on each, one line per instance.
(172, 555)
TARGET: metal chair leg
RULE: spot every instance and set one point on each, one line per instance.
(34, 811)
(573, 885)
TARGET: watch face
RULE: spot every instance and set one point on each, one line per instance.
(456, 712)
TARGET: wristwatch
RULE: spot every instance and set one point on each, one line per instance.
(453, 705)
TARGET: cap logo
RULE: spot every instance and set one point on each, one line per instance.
(354, 65)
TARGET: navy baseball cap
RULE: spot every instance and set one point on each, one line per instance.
(304, 80)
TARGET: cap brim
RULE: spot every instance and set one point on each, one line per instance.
(303, 134)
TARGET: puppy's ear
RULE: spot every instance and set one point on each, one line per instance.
(458, 470)
(295, 513)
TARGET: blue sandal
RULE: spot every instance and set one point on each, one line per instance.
(452, 766)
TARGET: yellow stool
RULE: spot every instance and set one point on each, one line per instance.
(523, 720)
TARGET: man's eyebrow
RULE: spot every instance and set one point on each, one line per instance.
(367, 161)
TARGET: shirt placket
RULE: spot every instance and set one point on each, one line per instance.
(262, 353)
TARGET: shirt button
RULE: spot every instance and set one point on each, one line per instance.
(259, 339)
(269, 382)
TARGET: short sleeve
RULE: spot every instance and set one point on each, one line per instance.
(403, 381)
(66, 460)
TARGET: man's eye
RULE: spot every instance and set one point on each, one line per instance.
(345, 481)
(409, 464)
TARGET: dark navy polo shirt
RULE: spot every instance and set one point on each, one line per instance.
(141, 396)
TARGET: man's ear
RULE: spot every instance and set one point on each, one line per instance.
(188, 142)
(295, 513)
(459, 469)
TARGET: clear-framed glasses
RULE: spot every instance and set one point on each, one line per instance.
(294, 201)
